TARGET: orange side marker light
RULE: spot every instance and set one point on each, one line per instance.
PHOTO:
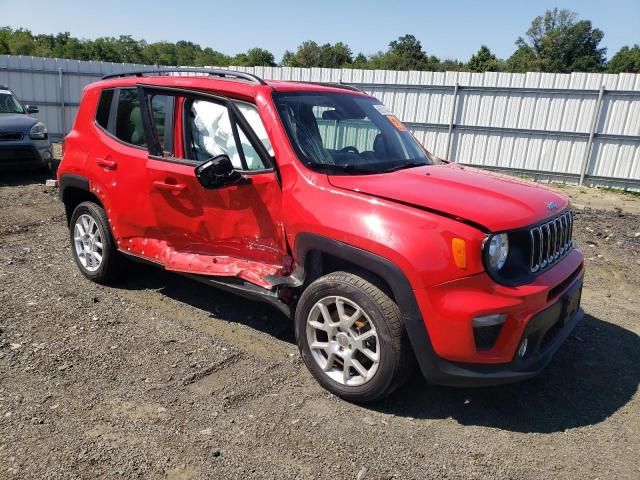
(459, 249)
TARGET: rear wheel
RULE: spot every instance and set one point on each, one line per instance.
(92, 244)
(351, 337)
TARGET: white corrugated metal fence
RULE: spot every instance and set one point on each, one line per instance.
(549, 126)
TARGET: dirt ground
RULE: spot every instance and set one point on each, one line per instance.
(162, 377)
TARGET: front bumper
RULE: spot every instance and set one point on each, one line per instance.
(544, 312)
(546, 332)
(25, 155)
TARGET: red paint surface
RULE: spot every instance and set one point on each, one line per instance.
(249, 231)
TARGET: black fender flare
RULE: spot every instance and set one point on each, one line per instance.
(395, 278)
(69, 180)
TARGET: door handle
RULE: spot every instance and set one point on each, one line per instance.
(171, 187)
(106, 164)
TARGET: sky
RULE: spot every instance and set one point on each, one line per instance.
(447, 29)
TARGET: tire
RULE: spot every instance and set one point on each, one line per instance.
(379, 314)
(93, 219)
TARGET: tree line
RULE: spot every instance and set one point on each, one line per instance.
(557, 41)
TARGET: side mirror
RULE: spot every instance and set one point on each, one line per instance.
(218, 172)
(32, 109)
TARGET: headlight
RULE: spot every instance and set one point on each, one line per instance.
(38, 131)
(497, 250)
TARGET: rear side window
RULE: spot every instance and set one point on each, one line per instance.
(104, 107)
(129, 126)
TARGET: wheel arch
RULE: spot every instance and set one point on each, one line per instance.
(74, 189)
(312, 249)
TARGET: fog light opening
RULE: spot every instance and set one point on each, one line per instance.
(522, 349)
(486, 330)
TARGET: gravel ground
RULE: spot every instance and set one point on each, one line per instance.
(162, 377)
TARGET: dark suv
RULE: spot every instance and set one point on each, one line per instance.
(24, 140)
(315, 198)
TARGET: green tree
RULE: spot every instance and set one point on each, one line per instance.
(335, 56)
(288, 59)
(74, 48)
(255, 57)
(626, 60)
(523, 60)
(21, 42)
(45, 45)
(449, 65)
(161, 53)
(105, 49)
(310, 54)
(186, 52)
(560, 43)
(361, 61)
(483, 61)
(408, 47)
(405, 53)
(5, 37)
(212, 58)
(131, 50)
(307, 55)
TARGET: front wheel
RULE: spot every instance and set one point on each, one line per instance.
(351, 337)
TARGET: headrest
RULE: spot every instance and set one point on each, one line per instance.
(330, 115)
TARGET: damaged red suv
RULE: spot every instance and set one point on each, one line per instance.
(315, 198)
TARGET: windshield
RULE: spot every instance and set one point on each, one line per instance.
(9, 103)
(343, 133)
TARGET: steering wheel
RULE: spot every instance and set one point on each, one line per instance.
(350, 149)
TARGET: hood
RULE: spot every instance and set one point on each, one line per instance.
(494, 201)
(16, 122)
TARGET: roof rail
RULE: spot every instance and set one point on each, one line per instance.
(214, 72)
(345, 86)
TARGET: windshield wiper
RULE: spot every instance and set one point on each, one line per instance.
(402, 166)
(346, 168)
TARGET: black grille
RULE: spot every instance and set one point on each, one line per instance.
(10, 136)
(550, 241)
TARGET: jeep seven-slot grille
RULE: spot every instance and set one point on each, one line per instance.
(550, 241)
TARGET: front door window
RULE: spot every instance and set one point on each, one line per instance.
(212, 132)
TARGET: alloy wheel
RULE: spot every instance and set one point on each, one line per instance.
(343, 341)
(88, 242)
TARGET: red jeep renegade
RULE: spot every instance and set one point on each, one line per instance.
(315, 198)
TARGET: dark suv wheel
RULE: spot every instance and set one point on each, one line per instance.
(92, 244)
(351, 337)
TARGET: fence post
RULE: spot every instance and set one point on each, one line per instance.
(594, 124)
(63, 116)
(454, 105)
